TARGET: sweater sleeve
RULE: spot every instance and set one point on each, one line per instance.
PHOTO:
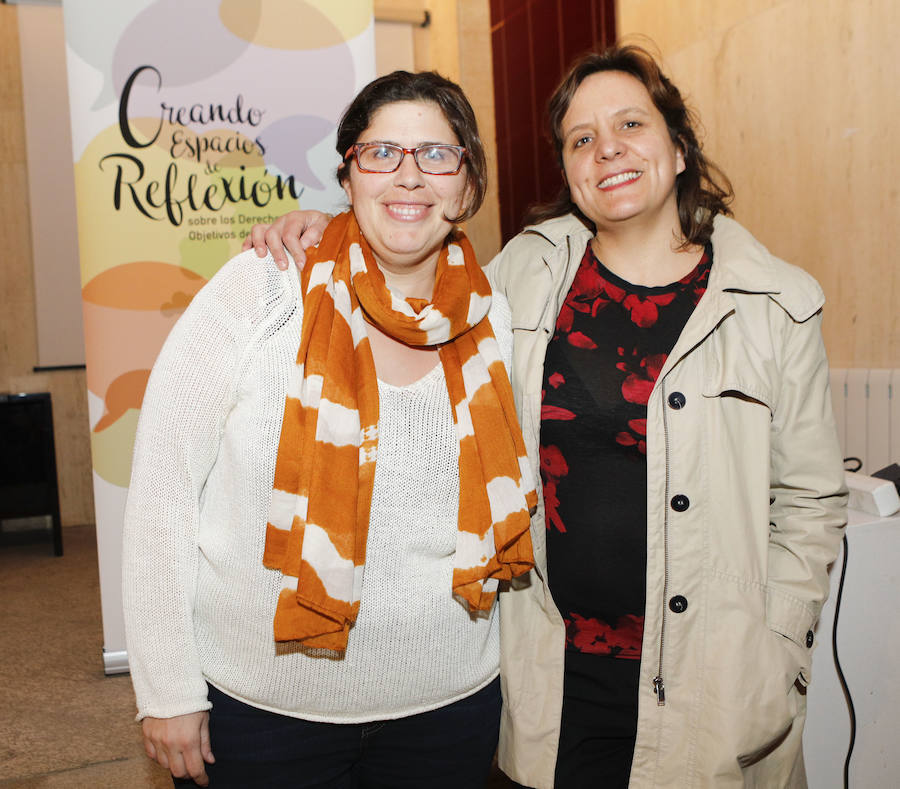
(190, 392)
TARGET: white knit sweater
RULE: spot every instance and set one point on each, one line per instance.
(198, 602)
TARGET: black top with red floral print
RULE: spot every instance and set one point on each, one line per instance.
(612, 339)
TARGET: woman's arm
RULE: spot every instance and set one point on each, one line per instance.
(808, 495)
(188, 397)
(293, 232)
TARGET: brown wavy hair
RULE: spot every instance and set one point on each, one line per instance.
(427, 86)
(702, 189)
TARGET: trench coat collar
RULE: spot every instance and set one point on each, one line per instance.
(741, 265)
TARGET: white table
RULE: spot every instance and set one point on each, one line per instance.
(869, 650)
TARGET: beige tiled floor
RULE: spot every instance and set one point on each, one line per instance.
(63, 724)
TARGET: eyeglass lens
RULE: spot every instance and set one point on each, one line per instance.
(431, 159)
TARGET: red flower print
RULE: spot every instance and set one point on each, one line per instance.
(644, 312)
(636, 389)
(592, 635)
(556, 380)
(638, 385)
(695, 275)
(654, 364)
(551, 508)
(553, 468)
(609, 294)
(553, 462)
(637, 436)
(599, 304)
(565, 319)
(580, 340)
(614, 292)
(698, 279)
(585, 287)
(555, 412)
(586, 295)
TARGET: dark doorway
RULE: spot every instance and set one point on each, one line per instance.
(533, 42)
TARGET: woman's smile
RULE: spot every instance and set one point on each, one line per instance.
(619, 179)
(407, 212)
(405, 215)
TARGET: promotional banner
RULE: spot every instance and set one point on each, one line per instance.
(190, 123)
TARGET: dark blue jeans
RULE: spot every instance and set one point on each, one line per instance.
(447, 748)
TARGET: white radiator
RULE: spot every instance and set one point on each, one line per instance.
(867, 411)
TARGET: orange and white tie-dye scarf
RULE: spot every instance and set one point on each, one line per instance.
(325, 469)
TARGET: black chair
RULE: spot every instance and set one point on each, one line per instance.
(28, 483)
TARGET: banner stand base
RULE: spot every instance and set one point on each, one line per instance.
(115, 662)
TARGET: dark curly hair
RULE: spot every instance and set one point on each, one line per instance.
(702, 189)
(427, 86)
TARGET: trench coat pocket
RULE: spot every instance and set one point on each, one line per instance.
(749, 674)
(779, 702)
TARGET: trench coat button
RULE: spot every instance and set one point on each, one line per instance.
(809, 639)
(678, 604)
(677, 400)
(680, 502)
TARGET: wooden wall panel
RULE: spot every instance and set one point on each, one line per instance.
(394, 47)
(457, 43)
(475, 68)
(18, 331)
(800, 105)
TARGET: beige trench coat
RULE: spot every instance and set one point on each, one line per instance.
(753, 449)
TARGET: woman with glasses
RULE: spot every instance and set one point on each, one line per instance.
(336, 627)
(672, 382)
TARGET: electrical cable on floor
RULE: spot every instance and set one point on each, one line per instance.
(840, 673)
(837, 663)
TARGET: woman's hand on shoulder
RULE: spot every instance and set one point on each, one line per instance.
(180, 744)
(295, 232)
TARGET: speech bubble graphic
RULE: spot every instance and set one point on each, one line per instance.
(151, 35)
(294, 24)
(287, 143)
